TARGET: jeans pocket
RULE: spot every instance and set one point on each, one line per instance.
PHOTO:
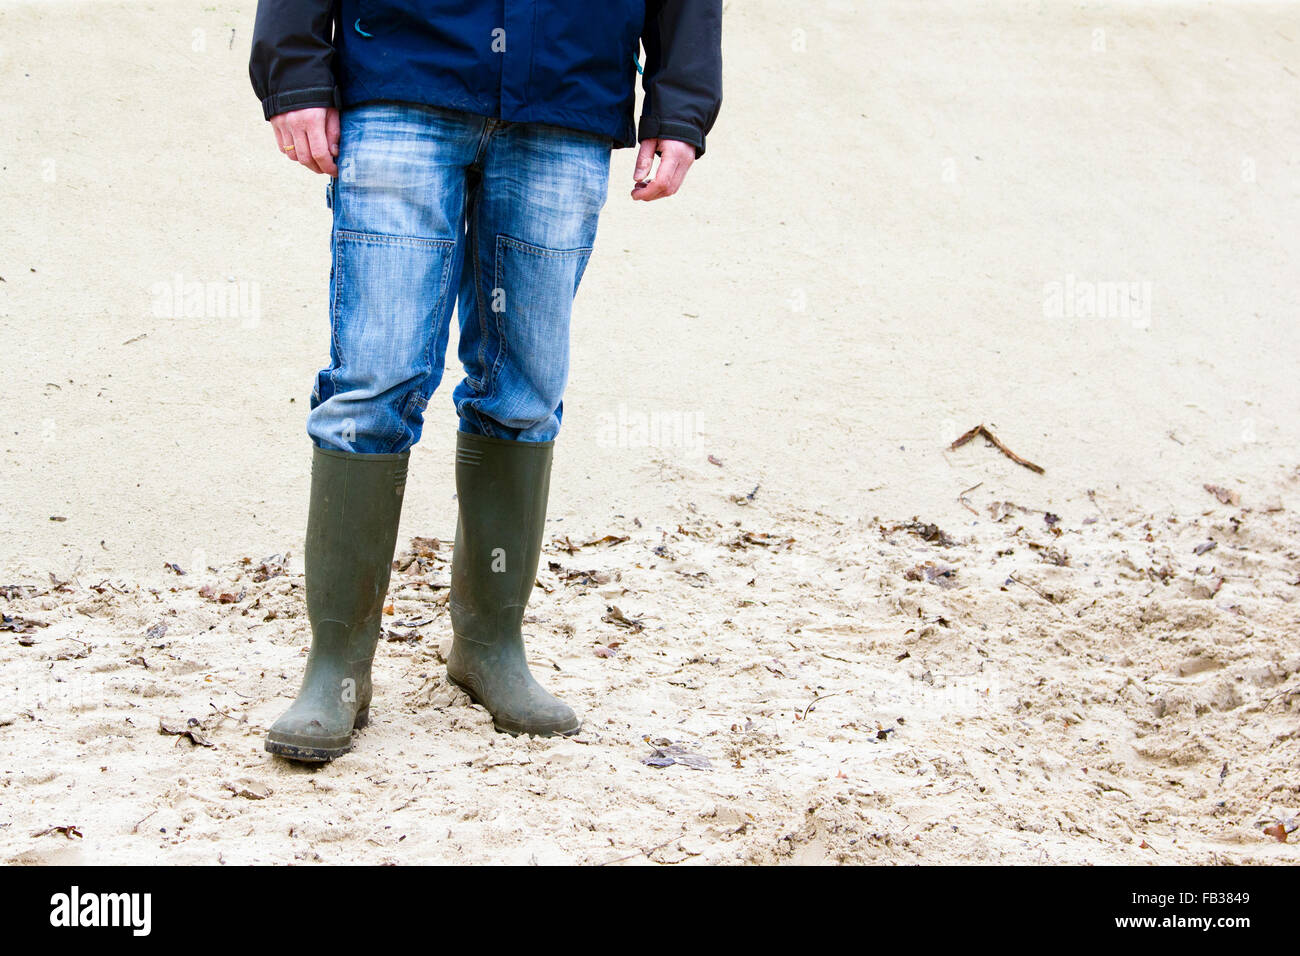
(387, 305)
(535, 287)
(542, 275)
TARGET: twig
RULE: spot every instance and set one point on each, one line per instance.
(1092, 496)
(226, 714)
(643, 852)
(962, 498)
(813, 701)
(996, 442)
(1012, 577)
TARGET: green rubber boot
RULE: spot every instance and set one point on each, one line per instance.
(356, 501)
(502, 487)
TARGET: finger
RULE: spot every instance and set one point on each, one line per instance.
(645, 159)
(302, 149)
(320, 150)
(283, 138)
(332, 130)
(286, 144)
(663, 183)
(672, 169)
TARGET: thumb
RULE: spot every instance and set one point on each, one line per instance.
(332, 130)
(645, 159)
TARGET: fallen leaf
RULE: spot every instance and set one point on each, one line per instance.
(1279, 830)
(272, 567)
(248, 789)
(669, 754)
(191, 729)
(614, 616)
(575, 576)
(943, 575)
(923, 530)
(1225, 495)
(19, 625)
(399, 637)
(68, 830)
(210, 592)
(762, 539)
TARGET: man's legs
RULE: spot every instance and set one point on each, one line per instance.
(531, 226)
(396, 250)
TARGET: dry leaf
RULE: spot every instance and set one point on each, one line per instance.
(614, 616)
(68, 830)
(190, 729)
(1225, 495)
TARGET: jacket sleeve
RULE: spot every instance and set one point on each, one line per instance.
(683, 70)
(292, 56)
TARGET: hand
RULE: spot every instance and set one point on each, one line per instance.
(310, 136)
(675, 158)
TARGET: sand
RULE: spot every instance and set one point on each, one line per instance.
(1072, 223)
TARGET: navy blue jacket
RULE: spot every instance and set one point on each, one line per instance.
(570, 63)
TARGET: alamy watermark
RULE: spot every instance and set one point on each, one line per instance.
(1076, 298)
(74, 909)
(213, 299)
(657, 428)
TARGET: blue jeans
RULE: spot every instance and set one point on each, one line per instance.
(435, 209)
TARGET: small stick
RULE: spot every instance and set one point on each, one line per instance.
(845, 660)
(996, 442)
(643, 852)
(962, 498)
(814, 700)
(1092, 496)
(1012, 577)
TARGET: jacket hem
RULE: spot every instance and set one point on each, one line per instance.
(278, 103)
(651, 127)
(620, 132)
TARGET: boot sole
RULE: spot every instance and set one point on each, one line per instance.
(315, 750)
(513, 729)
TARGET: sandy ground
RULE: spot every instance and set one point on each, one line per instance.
(850, 659)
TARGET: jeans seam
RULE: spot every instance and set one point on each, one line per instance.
(542, 251)
(336, 307)
(499, 317)
(381, 238)
(473, 240)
